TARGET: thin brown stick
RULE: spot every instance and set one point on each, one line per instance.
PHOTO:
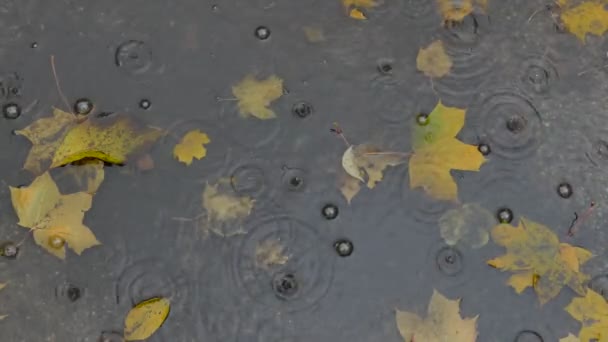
(63, 98)
(338, 131)
(574, 227)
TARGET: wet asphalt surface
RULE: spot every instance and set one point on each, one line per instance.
(172, 64)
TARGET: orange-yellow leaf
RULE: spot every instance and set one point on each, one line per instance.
(354, 7)
(433, 60)
(538, 259)
(589, 17)
(592, 311)
(437, 151)
(442, 323)
(191, 146)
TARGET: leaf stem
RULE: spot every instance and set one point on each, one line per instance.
(63, 98)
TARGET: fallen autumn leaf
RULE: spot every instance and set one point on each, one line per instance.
(191, 146)
(145, 318)
(254, 96)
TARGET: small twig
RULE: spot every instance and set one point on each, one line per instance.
(338, 131)
(65, 101)
(221, 99)
(591, 69)
(576, 223)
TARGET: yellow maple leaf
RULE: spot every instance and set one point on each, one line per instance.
(46, 134)
(433, 60)
(437, 151)
(56, 219)
(539, 260)
(589, 17)
(442, 323)
(225, 210)
(145, 318)
(457, 10)
(191, 146)
(354, 7)
(254, 96)
(109, 139)
(592, 311)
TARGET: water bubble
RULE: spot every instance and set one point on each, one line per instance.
(516, 124)
(449, 261)
(294, 179)
(69, 291)
(330, 211)
(504, 215)
(302, 109)
(145, 104)
(83, 106)
(285, 285)
(248, 180)
(422, 119)
(528, 336)
(9, 250)
(34, 45)
(564, 190)
(56, 242)
(344, 247)
(11, 111)
(484, 149)
(262, 32)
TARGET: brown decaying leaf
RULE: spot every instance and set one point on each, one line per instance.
(349, 186)
(442, 323)
(539, 260)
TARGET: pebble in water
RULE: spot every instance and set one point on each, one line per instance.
(330, 211)
(11, 111)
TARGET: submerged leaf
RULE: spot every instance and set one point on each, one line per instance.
(539, 260)
(589, 17)
(56, 219)
(191, 146)
(108, 139)
(442, 323)
(255, 96)
(569, 338)
(269, 253)
(592, 311)
(433, 60)
(437, 151)
(2, 285)
(83, 176)
(469, 225)
(145, 318)
(349, 186)
(46, 134)
(225, 210)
